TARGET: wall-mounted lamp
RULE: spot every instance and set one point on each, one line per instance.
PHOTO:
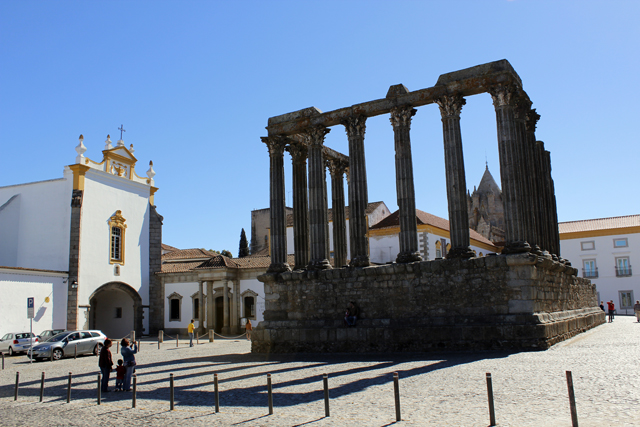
(65, 280)
(74, 285)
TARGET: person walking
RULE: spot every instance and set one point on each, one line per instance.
(611, 307)
(105, 362)
(190, 329)
(636, 310)
(248, 328)
(128, 352)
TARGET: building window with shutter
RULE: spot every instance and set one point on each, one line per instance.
(117, 229)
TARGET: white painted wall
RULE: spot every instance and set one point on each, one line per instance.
(186, 309)
(106, 319)
(607, 283)
(36, 224)
(104, 194)
(258, 287)
(16, 287)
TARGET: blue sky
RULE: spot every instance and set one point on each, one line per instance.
(195, 82)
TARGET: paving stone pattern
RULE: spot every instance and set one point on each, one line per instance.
(446, 389)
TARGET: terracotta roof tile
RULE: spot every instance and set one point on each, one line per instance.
(169, 248)
(599, 224)
(179, 267)
(426, 219)
(188, 254)
(218, 261)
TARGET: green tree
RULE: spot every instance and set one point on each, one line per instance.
(244, 245)
(226, 253)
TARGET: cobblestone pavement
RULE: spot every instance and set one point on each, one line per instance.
(435, 389)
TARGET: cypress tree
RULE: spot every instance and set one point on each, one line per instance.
(243, 251)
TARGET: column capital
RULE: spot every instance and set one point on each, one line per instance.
(299, 152)
(275, 144)
(401, 116)
(315, 135)
(503, 95)
(531, 120)
(336, 167)
(355, 125)
(450, 105)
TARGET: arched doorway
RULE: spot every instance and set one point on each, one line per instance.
(219, 313)
(116, 310)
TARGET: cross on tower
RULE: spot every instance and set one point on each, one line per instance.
(121, 129)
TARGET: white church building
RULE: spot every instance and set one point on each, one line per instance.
(85, 246)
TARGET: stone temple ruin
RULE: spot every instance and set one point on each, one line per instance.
(528, 297)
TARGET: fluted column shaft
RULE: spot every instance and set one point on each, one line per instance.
(553, 211)
(450, 108)
(358, 193)
(534, 180)
(278, 218)
(543, 203)
(508, 147)
(408, 238)
(317, 199)
(300, 206)
(337, 168)
(525, 173)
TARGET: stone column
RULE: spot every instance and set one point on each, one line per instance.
(508, 145)
(235, 317)
(408, 238)
(317, 199)
(537, 211)
(276, 146)
(225, 301)
(525, 173)
(300, 205)
(542, 208)
(210, 318)
(358, 196)
(450, 108)
(553, 211)
(200, 307)
(337, 169)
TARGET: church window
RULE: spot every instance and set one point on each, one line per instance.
(438, 249)
(249, 299)
(117, 229)
(175, 305)
(118, 312)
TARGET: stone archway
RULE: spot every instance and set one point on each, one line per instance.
(116, 310)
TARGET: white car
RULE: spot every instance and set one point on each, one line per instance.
(17, 342)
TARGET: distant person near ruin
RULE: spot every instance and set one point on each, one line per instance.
(611, 307)
(351, 314)
(636, 310)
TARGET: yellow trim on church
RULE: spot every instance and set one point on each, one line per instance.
(153, 191)
(78, 175)
(597, 233)
(117, 221)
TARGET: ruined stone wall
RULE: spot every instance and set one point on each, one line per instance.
(516, 301)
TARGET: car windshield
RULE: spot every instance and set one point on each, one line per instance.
(59, 337)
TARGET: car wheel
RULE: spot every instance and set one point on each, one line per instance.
(10, 351)
(96, 350)
(57, 354)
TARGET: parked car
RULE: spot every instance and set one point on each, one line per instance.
(17, 342)
(45, 335)
(66, 343)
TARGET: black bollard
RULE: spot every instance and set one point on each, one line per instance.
(215, 392)
(3, 361)
(138, 346)
(158, 344)
(572, 400)
(42, 388)
(69, 389)
(177, 336)
(17, 383)
(133, 396)
(99, 388)
(270, 394)
(171, 396)
(51, 357)
(75, 351)
(396, 393)
(492, 412)
(325, 380)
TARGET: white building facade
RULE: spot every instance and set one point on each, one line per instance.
(604, 250)
(85, 246)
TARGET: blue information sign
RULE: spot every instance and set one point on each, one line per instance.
(30, 303)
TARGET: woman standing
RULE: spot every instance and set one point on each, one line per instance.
(105, 362)
(128, 352)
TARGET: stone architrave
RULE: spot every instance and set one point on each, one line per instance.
(358, 193)
(317, 199)
(300, 205)
(276, 145)
(337, 170)
(450, 108)
(408, 237)
(504, 99)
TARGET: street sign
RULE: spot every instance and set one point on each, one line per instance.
(30, 314)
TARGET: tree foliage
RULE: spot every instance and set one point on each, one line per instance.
(243, 251)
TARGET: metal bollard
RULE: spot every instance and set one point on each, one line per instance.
(172, 395)
(51, 357)
(99, 388)
(42, 388)
(3, 361)
(75, 351)
(396, 392)
(211, 335)
(158, 344)
(215, 392)
(572, 400)
(138, 346)
(325, 380)
(177, 337)
(17, 382)
(133, 395)
(160, 336)
(270, 394)
(492, 412)
(197, 339)
(69, 389)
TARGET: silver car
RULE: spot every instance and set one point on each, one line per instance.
(17, 342)
(68, 343)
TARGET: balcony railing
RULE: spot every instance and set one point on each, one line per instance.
(590, 274)
(623, 271)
